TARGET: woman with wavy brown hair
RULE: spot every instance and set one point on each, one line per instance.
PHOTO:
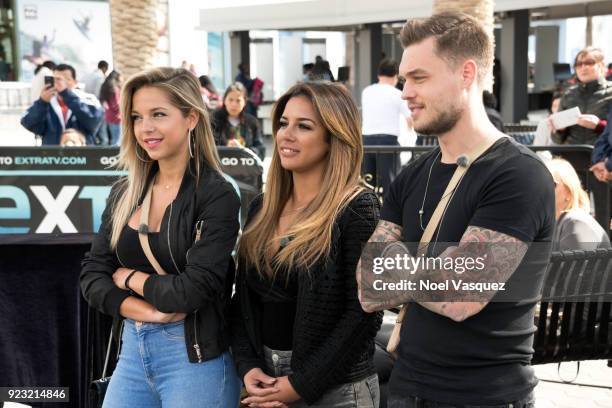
(299, 333)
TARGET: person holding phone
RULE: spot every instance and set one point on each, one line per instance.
(62, 106)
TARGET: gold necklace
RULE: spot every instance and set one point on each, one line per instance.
(165, 186)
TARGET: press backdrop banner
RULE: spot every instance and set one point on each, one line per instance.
(64, 190)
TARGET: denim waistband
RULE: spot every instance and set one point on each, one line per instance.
(278, 362)
(149, 327)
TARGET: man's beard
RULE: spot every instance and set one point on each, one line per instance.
(440, 124)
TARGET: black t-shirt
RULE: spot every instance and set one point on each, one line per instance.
(484, 359)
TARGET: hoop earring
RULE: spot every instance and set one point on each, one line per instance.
(189, 137)
(140, 158)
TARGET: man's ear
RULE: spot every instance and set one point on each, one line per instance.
(469, 73)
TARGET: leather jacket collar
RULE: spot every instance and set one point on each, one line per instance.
(593, 86)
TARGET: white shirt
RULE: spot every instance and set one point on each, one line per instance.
(381, 106)
(93, 82)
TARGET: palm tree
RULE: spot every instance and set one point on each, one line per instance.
(482, 10)
(134, 32)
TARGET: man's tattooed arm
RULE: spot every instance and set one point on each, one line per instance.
(385, 232)
(503, 255)
(506, 254)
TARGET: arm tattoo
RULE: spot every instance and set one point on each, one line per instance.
(502, 252)
(386, 232)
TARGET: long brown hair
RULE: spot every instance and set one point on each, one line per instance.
(183, 90)
(312, 231)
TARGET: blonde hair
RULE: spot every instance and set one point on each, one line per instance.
(596, 53)
(564, 173)
(183, 90)
(312, 231)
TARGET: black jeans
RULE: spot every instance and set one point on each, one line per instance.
(380, 169)
(415, 402)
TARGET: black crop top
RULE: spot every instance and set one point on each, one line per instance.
(130, 253)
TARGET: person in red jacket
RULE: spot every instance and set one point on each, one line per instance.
(109, 97)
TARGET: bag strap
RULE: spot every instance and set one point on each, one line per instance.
(434, 221)
(108, 350)
(143, 230)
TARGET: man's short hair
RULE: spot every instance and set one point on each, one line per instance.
(458, 37)
(103, 65)
(66, 67)
(597, 54)
(49, 64)
(387, 68)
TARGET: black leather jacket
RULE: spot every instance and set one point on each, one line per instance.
(200, 276)
(592, 98)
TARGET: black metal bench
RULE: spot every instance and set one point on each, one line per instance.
(525, 138)
(574, 318)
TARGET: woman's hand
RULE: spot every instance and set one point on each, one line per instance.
(600, 172)
(588, 121)
(551, 125)
(258, 383)
(119, 277)
(285, 393)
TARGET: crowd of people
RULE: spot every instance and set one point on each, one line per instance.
(299, 328)
(61, 108)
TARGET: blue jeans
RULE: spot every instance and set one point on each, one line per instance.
(359, 394)
(154, 371)
(114, 129)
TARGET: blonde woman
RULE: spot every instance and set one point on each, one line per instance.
(300, 336)
(174, 339)
(576, 228)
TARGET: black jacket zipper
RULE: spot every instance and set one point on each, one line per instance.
(199, 224)
(196, 346)
(169, 245)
